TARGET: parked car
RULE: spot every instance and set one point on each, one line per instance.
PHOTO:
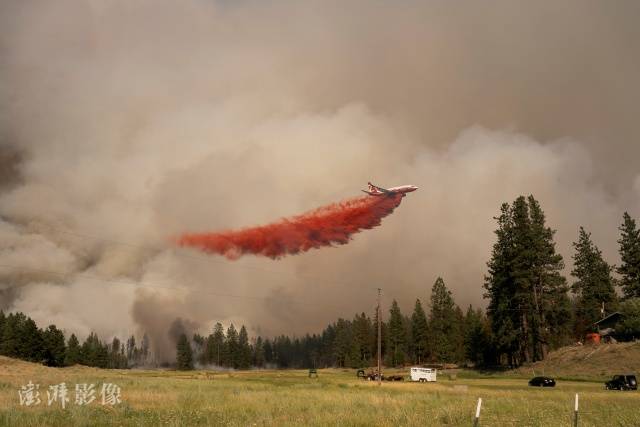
(542, 382)
(622, 382)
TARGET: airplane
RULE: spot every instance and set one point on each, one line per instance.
(374, 190)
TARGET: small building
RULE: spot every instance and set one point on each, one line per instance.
(606, 327)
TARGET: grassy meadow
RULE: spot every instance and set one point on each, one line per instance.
(287, 398)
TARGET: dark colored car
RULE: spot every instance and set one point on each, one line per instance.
(622, 382)
(542, 382)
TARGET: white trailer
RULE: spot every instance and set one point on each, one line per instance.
(423, 374)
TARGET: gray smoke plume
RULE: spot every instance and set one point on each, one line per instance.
(125, 123)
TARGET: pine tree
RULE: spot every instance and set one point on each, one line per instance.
(259, 353)
(477, 338)
(594, 284)
(268, 352)
(244, 350)
(231, 348)
(529, 307)
(94, 352)
(629, 326)
(73, 355)
(10, 342)
(54, 349)
(444, 325)
(215, 345)
(184, 355)
(552, 308)
(630, 255)
(419, 330)
(31, 345)
(397, 336)
(362, 336)
(343, 348)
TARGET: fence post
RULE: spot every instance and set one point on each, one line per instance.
(575, 413)
(476, 420)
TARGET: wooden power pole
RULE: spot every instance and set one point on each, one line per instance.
(379, 341)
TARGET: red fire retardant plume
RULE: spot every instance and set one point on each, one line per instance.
(326, 226)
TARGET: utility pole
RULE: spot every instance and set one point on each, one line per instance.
(379, 341)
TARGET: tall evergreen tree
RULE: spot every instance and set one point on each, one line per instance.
(529, 307)
(73, 355)
(244, 349)
(11, 341)
(629, 269)
(31, 345)
(215, 345)
(594, 284)
(231, 348)
(629, 325)
(397, 336)
(477, 338)
(258, 353)
(419, 333)
(343, 345)
(363, 339)
(94, 352)
(184, 354)
(444, 325)
(54, 349)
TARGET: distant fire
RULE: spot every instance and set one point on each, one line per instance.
(326, 226)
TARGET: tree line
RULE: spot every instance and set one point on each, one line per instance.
(21, 338)
(532, 309)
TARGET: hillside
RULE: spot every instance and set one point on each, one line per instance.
(588, 361)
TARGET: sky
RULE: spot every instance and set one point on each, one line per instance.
(125, 123)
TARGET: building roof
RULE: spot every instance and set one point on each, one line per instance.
(613, 317)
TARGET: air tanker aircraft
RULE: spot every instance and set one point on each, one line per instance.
(374, 190)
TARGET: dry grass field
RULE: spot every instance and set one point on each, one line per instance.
(589, 361)
(288, 398)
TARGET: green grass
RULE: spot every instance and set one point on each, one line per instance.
(287, 398)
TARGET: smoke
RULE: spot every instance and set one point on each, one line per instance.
(124, 123)
(325, 226)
